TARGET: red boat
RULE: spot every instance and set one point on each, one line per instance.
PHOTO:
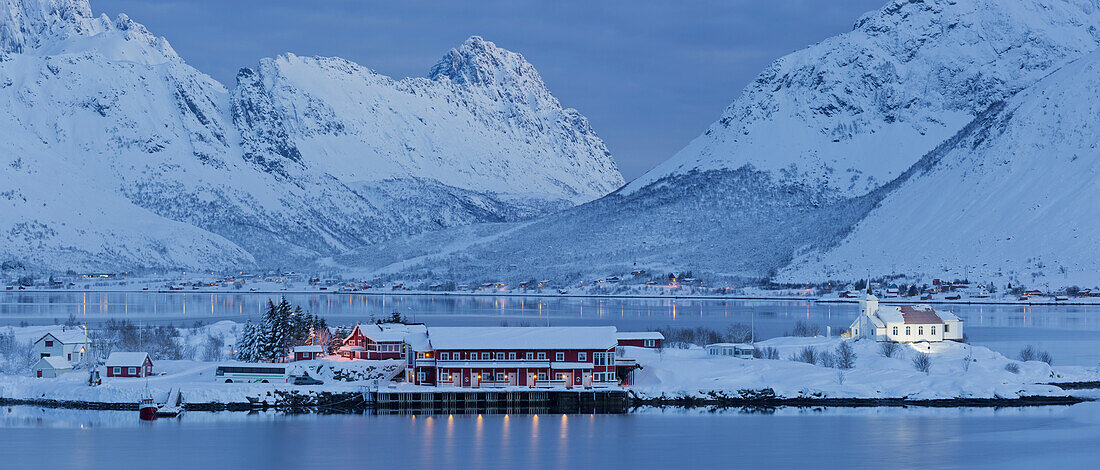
(926, 297)
(953, 297)
(147, 409)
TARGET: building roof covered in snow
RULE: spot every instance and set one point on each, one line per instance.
(126, 359)
(521, 338)
(914, 315)
(628, 335)
(308, 349)
(66, 337)
(53, 362)
(388, 332)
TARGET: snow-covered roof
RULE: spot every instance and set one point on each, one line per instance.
(731, 345)
(66, 337)
(126, 359)
(639, 335)
(914, 315)
(550, 337)
(385, 336)
(418, 341)
(308, 349)
(54, 362)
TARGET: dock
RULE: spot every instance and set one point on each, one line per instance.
(460, 401)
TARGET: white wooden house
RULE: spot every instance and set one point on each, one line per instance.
(52, 366)
(69, 344)
(905, 323)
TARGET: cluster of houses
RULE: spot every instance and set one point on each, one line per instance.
(59, 351)
(483, 357)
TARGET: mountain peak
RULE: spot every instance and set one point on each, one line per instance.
(479, 62)
(25, 24)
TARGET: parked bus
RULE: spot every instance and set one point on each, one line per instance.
(250, 374)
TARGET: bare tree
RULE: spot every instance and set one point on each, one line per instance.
(807, 354)
(1027, 354)
(922, 362)
(1013, 367)
(888, 348)
(845, 355)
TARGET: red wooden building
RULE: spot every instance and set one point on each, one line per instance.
(381, 341)
(306, 353)
(129, 364)
(519, 357)
(641, 339)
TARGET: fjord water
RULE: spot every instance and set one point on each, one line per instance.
(1070, 332)
(1060, 437)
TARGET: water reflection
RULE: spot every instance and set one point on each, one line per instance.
(653, 438)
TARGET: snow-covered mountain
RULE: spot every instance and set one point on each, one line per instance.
(1013, 196)
(853, 111)
(810, 146)
(117, 154)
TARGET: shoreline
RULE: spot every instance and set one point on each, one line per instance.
(553, 295)
(350, 405)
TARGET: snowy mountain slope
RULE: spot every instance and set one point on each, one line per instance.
(853, 111)
(804, 153)
(1013, 197)
(192, 175)
(483, 121)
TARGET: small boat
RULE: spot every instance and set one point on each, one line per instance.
(953, 297)
(926, 297)
(147, 409)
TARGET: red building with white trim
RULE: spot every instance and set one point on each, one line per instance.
(375, 342)
(641, 339)
(129, 364)
(477, 357)
(306, 353)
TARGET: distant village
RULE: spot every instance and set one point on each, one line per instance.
(634, 283)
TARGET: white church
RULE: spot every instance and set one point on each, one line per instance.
(904, 323)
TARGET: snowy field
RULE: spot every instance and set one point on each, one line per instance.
(691, 372)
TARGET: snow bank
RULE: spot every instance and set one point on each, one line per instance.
(687, 372)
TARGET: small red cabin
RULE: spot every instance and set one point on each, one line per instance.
(640, 339)
(307, 353)
(129, 364)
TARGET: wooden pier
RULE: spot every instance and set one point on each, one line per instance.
(457, 401)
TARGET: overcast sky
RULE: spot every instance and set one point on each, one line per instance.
(650, 75)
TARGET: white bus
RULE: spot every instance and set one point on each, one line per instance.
(250, 374)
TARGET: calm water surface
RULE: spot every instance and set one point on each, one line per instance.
(1055, 437)
(1071, 333)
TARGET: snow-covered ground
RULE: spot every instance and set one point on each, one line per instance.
(195, 380)
(692, 372)
(667, 372)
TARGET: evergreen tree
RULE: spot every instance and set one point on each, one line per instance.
(246, 343)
